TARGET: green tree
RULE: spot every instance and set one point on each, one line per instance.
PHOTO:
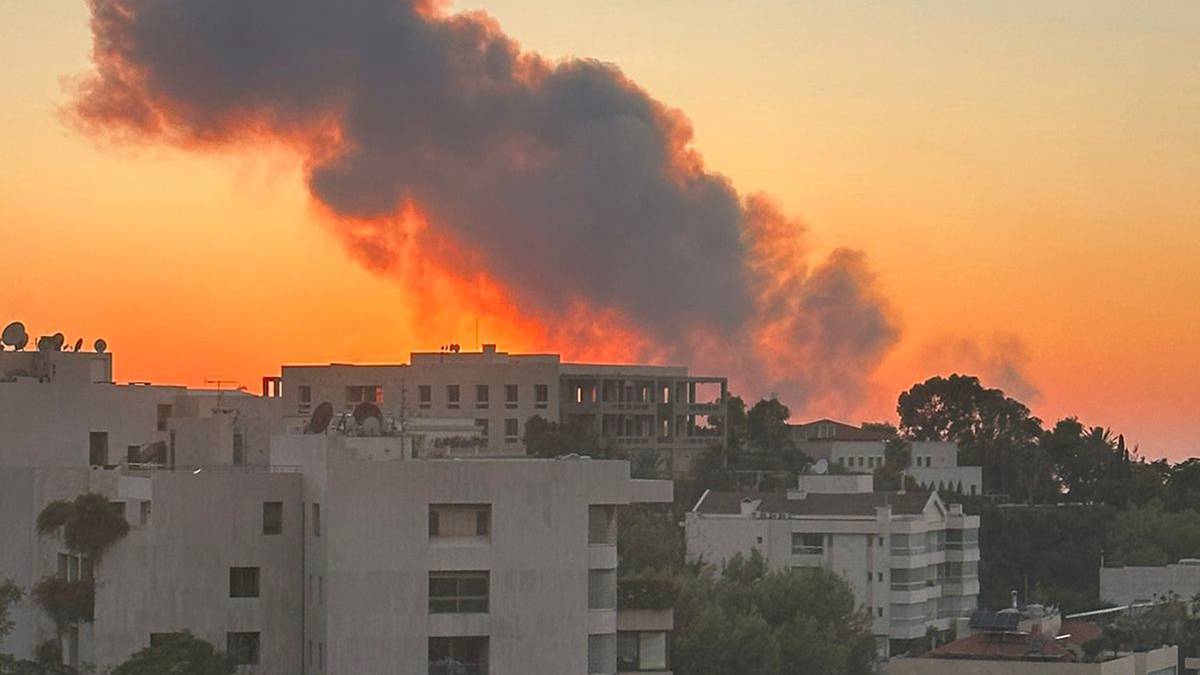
(648, 538)
(181, 654)
(767, 428)
(991, 430)
(738, 425)
(544, 438)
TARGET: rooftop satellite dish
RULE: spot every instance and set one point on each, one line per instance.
(15, 336)
(364, 411)
(821, 467)
(78, 345)
(372, 426)
(321, 417)
(100, 345)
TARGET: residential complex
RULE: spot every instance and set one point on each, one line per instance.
(303, 547)
(911, 559)
(934, 464)
(659, 415)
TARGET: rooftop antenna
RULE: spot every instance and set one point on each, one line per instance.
(220, 392)
(15, 336)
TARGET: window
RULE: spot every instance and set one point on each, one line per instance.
(602, 525)
(316, 511)
(602, 653)
(368, 393)
(511, 394)
(482, 423)
(460, 520)
(144, 512)
(458, 656)
(481, 396)
(98, 448)
(272, 518)
(425, 395)
(305, 393)
(453, 395)
(879, 612)
(133, 454)
(511, 429)
(162, 413)
(541, 395)
(602, 589)
(242, 648)
(239, 447)
(808, 544)
(243, 582)
(159, 639)
(458, 592)
(641, 650)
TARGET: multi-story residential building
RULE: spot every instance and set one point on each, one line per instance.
(660, 415)
(342, 551)
(934, 464)
(911, 559)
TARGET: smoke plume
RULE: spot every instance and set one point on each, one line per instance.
(556, 197)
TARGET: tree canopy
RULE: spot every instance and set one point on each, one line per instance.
(180, 654)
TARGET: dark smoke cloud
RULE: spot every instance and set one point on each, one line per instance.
(565, 180)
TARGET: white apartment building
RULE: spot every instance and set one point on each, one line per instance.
(660, 415)
(339, 552)
(934, 464)
(911, 559)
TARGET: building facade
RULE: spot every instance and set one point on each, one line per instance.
(661, 416)
(911, 560)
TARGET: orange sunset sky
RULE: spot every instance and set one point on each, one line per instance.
(1023, 177)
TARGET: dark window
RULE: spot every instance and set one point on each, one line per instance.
(511, 429)
(133, 454)
(368, 393)
(808, 544)
(602, 525)
(641, 650)
(482, 423)
(602, 589)
(162, 413)
(316, 520)
(453, 395)
(458, 656)
(458, 592)
(433, 522)
(272, 517)
(159, 639)
(481, 396)
(243, 582)
(511, 394)
(541, 395)
(98, 448)
(459, 520)
(305, 393)
(239, 447)
(483, 522)
(242, 648)
(425, 395)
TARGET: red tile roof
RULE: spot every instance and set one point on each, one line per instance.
(1004, 647)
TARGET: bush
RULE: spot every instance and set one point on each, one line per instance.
(183, 654)
(67, 602)
(89, 523)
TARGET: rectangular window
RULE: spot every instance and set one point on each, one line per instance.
(144, 512)
(242, 648)
(602, 589)
(243, 582)
(482, 423)
(365, 393)
(458, 655)
(160, 639)
(511, 395)
(316, 511)
(272, 518)
(459, 520)
(808, 544)
(98, 448)
(305, 393)
(481, 396)
(458, 592)
(641, 650)
(239, 447)
(511, 429)
(133, 454)
(602, 653)
(602, 525)
(162, 413)
(425, 395)
(541, 395)
(453, 395)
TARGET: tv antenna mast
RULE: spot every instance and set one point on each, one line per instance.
(219, 383)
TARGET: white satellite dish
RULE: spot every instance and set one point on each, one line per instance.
(15, 336)
(100, 345)
(821, 467)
